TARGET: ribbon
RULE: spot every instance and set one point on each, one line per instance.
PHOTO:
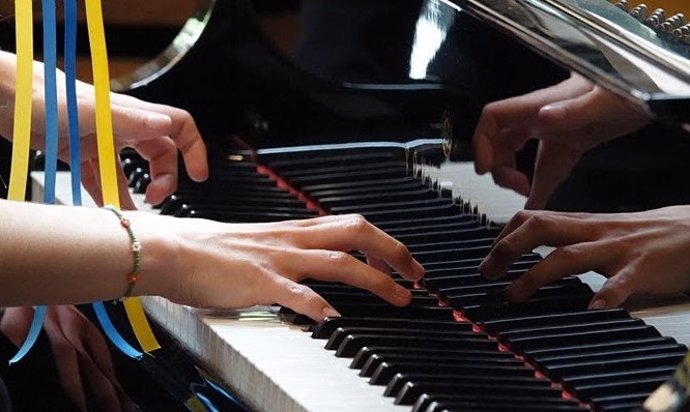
(22, 138)
(75, 156)
(106, 153)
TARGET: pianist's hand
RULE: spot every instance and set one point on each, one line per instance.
(241, 265)
(155, 131)
(81, 356)
(569, 118)
(643, 253)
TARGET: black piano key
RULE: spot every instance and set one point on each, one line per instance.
(568, 328)
(385, 372)
(359, 185)
(411, 391)
(619, 387)
(460, 244)
(399, 381)
(466, 357)
(536, 354)
(467, 401)
(559, 372)
(492, 287)
(305, 182)
(328, 326)
(610, 354)
(383, 310)
(626, 402)
(340, 334)
(522, 345)
(484, 312)
(384, 198)
(496, 297)
(320, 169)
(572, 383)
(365, 354)
(446, 234)
(505, 325)
(353, 343)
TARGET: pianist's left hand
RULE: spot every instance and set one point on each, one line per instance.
(569, 119)
(81, 355)
(241, 265)
(642, 253)
(155, 131)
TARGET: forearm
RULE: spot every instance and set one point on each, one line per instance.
(57, 254)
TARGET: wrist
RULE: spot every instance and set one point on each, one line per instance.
(160, 255)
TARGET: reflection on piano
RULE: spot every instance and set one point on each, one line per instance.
(459, 345)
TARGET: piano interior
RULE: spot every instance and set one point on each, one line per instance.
(350, 112)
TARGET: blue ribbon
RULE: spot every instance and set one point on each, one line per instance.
(75, 157)
(51, 137)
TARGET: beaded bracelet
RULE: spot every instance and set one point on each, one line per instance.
(133, 277)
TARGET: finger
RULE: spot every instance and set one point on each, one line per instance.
(90, 179)
(302, 299)
(532, 230)
(553, 165)
(162, 156)
(335, 266)
(66, 361)
(15, 323)
(379, 264)
(131, 124)
(564, 261)
(571, 114)
(101, 391)
(354, 232)
(181, 129)
(511, 179)
(85, 337)
(615, 291)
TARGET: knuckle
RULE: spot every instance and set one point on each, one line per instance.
(537, 222)
(339, 258)
(357, 223)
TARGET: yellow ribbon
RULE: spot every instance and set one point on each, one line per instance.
(21, 134)
(106, 153)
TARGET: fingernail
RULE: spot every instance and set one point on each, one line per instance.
(329, 312)
(597, 304)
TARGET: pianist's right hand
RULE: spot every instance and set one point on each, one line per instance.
(641, 253)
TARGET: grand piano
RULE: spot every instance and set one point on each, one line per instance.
(336, 128)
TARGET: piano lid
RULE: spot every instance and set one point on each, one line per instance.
(642, 58)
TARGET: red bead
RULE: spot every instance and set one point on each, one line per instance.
(132, 278)
(124, 222)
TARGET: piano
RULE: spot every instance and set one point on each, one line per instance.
(296, 137)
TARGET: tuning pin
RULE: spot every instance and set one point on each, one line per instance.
(673, 22)
(656, 18)
(682, 33)
(622, 4)
(639, 12)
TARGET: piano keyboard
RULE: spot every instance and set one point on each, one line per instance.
(458, 346)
